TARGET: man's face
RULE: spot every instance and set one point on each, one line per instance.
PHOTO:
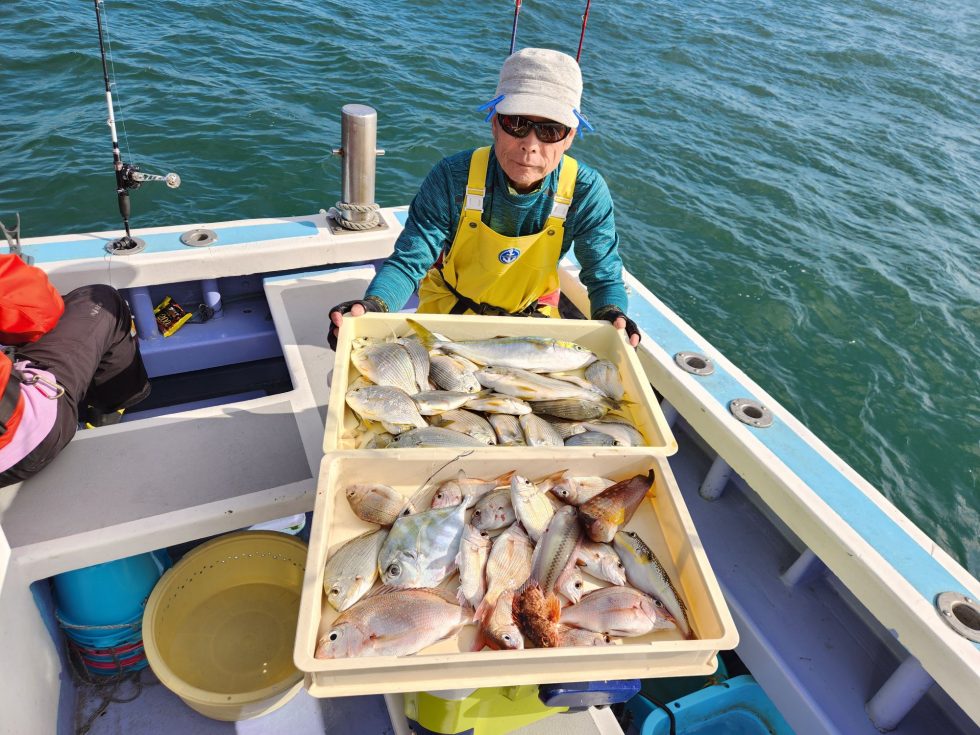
(526, 161)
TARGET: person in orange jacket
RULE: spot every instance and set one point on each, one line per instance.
(62, 360)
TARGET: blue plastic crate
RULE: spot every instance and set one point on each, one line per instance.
(738, 706)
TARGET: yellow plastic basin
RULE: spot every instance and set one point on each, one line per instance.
(219, 626)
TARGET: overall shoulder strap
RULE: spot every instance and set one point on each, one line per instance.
(566, 188)
(477, 180)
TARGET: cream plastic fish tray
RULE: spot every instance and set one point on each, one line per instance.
(641, 407)
(662, 521)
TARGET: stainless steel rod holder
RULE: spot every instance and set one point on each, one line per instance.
(358, 150)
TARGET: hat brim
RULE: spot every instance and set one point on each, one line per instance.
(534, 104)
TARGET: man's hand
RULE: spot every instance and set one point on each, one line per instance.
(634, 336)
(619, 320)
(354, 308)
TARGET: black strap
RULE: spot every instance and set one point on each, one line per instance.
(9, 393)
(465, 303)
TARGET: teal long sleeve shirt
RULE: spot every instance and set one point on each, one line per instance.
(433, 219)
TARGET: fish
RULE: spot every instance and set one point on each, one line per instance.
(536, 614)
(498, 403)
(590, 439)
(564, 427)
(377, 503)
(533, 509)
(576, 409)
(419, 357)
(507, 429)
(571, 584)
(618, 611)
(432, 402)
(579, 490)
(386, 364)
(605, 376)
(569, 636)
(351, 570)
(530, 386)
(421, 549)
(498, 630)
(434, 436)
(508, 567)
(390, 406)
(474, 551)
(392, 622)
(451, 492)
(623, 434)
(604, 514)
(645, 572)
(376, 440)
(601, 561)
(538, 354)
(538, 432)
(466, 422)
(494, 510)
(557, 549)
(447, 373)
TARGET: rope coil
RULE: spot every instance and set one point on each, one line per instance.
(370, 222)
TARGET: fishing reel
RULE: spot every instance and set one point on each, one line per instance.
(131, 177)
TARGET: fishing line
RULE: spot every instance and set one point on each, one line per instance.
(418, 495)
(513, 33)
(112, 64)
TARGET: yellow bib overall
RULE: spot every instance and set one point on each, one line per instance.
(489, 273)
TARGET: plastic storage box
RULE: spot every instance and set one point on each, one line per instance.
(598, 336)
(663, 522)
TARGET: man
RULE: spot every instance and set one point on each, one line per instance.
(488, 227)
(60, 357)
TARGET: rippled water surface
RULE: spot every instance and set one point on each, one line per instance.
(798, 179)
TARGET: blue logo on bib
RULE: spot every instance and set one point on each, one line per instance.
(508, 256)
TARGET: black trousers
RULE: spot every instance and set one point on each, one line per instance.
(95, 357)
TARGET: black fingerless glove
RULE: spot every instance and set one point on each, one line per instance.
(612, 313)
(370, 303)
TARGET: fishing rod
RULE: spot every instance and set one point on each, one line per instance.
(513, 33)
(585, 20)
(128, 175)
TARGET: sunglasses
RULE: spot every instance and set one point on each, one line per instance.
(520, 127)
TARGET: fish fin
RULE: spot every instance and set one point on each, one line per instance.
(447, 595)
(439, 421)
(554, 607)
(427, 338)
(480, 642)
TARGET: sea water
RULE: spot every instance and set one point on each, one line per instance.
(796, 179)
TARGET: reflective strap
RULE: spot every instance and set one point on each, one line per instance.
(566, 188)
(476, 179)
(474, 202)
(559, 210)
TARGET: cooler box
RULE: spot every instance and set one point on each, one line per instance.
(662, 521)
(599, 336)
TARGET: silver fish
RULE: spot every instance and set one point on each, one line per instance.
(466, 422)
(386, 364)
(533, 387)
(557, 549)
(533, 509)
(495, 403)
(605, 376)
(498, 630)
(623, 434)
(419, 357)
(351, 570)
(421, 549)
(618, 611)
(432, 402)
(564, 427)
(576, 409)
(590, 439)
(645, 572)
(393, 622)
(507, 429)
(451, 492)
(390, 406)
(538, 432)
(377, 503)
(474, 551)
(601, 561)
(539, 354)
(449, 374)
(494, 510)
(433, 436)
(508, 567)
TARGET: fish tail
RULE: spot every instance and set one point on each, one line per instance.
(427, 338)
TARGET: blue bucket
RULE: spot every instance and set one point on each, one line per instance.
(113, 593)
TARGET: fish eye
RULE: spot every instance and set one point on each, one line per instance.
(393, 570)
(476, 514)
(334, 635)
(619, 565)
(579, 585)
(439, 495)
(659, 604)
(484, 534)
(507, 637)
(335, 590)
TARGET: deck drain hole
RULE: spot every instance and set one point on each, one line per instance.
(694, 363)
(751, 412)
(961, 613)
